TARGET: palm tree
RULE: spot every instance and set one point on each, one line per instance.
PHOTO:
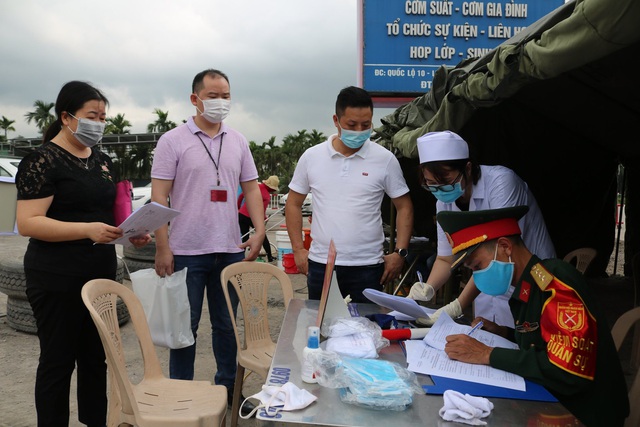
(117, 125)
(5, 124)
(162, 124)
(42, 115)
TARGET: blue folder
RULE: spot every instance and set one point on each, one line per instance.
(533, 391)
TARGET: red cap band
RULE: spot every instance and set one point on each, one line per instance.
(470, 236)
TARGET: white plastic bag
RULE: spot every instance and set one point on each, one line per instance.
(166, 306)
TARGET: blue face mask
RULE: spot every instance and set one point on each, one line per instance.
(449, 196)
(496, 278)
(354, 139)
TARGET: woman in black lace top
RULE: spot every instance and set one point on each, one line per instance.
(66, 192)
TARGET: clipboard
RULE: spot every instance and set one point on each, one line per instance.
(332, 303)
(533, 391)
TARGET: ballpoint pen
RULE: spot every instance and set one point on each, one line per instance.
(419, 276)
(478, 325)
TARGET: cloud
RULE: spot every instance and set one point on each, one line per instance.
(286, 59)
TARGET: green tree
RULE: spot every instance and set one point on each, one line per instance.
(117, 125)
(162, 124)
(42, 115)
(281, 160)
(6, 125)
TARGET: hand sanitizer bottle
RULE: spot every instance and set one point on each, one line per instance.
(313, 346)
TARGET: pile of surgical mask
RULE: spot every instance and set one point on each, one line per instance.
(371, 383)
(354, 337)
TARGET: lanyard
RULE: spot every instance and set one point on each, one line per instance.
(211, 157)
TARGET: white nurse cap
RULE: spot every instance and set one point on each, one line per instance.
(444, 145)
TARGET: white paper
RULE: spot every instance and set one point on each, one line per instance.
(145, 220)
(444, 326)
(403, 305)
(424, 359)
(427, 356)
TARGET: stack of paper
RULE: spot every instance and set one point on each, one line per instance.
(145, 220)
(404, 308)
(428, 357)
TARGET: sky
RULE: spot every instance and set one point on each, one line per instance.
(286, 59)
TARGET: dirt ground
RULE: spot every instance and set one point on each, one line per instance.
(19, 352)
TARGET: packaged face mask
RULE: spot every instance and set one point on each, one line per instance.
(274, 399)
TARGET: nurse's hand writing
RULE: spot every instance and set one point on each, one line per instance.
(421, 291)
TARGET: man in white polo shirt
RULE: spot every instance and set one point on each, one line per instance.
(348, 176)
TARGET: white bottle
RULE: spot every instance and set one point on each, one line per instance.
(313, 346)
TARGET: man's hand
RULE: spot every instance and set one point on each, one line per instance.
(255, 244)
(466, 349)
(453, 309)
(302, 260)
(393, 264)
(421, 292)
(164, 262)
(140, 241)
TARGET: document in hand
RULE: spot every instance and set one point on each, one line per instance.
(145, 220)
(403, 305)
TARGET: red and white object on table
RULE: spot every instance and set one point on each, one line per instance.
(405, 333)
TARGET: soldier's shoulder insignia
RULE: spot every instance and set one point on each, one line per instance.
(541, 276)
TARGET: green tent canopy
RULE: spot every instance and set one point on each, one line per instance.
(559, 103)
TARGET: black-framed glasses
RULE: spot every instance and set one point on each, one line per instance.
(445, 187)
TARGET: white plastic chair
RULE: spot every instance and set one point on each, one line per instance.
(156, 401)
(251, 282)
(582, 258)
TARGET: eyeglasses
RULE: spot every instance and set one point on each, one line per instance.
(446, 187)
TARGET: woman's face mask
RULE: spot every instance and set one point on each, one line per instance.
(449, 196)
(447, 193)
(496, 278)
(287, 397)
(88, 132)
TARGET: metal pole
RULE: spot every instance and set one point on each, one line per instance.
(406, 274)
(265, 221)
(615, 259)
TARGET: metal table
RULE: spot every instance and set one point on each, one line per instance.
(329, 410)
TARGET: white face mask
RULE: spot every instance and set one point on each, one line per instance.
(287, 397)
(215, 110)
(88, 132)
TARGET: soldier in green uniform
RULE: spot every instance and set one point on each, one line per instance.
(565, 342)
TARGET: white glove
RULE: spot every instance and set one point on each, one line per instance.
(421, 291)
(453, 309)
(464, 408)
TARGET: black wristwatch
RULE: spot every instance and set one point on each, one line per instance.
(402, 252)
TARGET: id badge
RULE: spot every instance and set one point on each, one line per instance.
(218, 193)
